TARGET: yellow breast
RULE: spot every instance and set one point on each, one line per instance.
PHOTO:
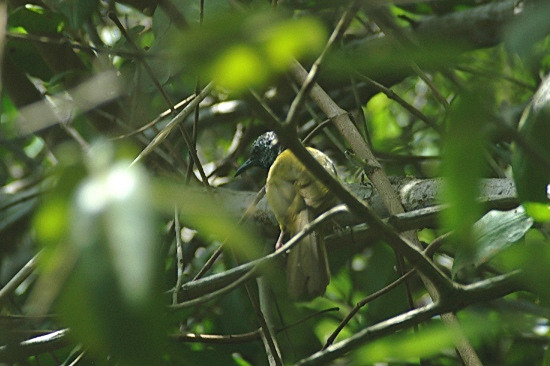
(290, 187)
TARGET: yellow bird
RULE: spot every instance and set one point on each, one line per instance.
(296, 197)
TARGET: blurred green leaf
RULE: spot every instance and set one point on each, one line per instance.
(530, 176)
(108, 254)
(35, 19)
(493, 233)
(239, 67)
(209, 215)
(376, 276)
(428, 341)
(381, 58)
(24, 55)
(463, 162)
(50, 221)
(240, 52)
(77, 12)
(282, 45)
(532, 259)
(523, 34)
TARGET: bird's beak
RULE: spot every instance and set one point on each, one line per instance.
(246, 165)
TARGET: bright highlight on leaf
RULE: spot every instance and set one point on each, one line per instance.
(540, 212)
(239, 67)
(51, 220)
(248, 51)
(294, 39)
(385, 126)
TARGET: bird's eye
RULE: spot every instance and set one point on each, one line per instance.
(274, 142)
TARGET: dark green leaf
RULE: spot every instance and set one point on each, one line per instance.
(530, 175)
(493, 233)
(77, 12)
(463, 162)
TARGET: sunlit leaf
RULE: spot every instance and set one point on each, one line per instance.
(241, 52)
(239, 67)
(282, 45)
(538, 211)
(385, 127)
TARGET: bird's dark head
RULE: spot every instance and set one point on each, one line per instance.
(265, 150)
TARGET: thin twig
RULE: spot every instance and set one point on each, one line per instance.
(392, 95)
(364, 302)
(236, 272)
(213, 295)
(493, 74)
(179, 256)
(161, 136)
(317, 128)
(429, 251)
(174, 14)
(238, 338)
(431, 85)
(18, 279)
(384, 19)
(219, 250)
(112, 15)
(150, 124)
(336, 35)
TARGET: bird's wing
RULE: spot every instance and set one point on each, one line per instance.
(312, 190)
(295, 196)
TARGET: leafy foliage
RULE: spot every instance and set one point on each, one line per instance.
(125, 240)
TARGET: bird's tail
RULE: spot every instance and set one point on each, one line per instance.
(308, 273)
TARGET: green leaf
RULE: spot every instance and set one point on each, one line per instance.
(463, 163)
(494, 232)
(530, 176)
(106, 260)
(77, 12)
(385, 126)
(238, 68)
(240, 52)
(27, 59)
(35, 19)
(209, 215)
(532, 259)
(428, 341)
(282, 46)
(522, 35)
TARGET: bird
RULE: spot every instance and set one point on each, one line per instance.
(296, 197)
